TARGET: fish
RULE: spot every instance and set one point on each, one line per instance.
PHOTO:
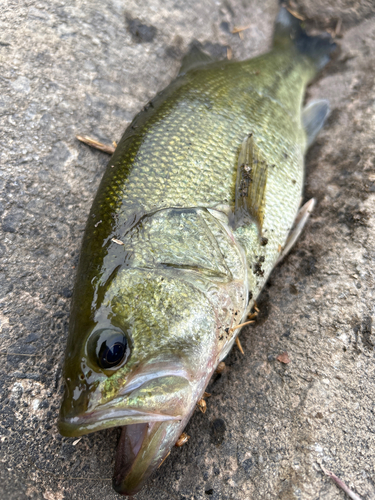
(195, 209)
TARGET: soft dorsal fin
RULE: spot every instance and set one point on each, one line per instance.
(194, 58)
(251, 183)
(314, 116)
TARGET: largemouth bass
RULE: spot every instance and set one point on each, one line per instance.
(191, 216)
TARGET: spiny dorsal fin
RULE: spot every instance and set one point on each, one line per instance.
(250, 185)
(314, 116)
(194, 58)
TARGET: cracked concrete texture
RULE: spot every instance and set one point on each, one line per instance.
(88, 67)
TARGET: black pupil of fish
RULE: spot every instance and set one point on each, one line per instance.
(112, 352)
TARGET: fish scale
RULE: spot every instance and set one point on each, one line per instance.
(220, 128)
(188, 222)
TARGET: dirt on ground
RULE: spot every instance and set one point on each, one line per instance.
(89, 67)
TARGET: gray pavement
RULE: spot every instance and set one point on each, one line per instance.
(89, 67)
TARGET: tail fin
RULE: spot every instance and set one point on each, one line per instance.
(288, 31)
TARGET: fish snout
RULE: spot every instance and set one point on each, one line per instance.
(79, 397)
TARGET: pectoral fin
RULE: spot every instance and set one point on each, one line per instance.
(313, 118)
(250, 185)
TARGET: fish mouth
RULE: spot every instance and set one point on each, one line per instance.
(144, 445)
(145, 399)
(151, 409)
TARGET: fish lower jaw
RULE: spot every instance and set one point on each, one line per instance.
(141, 450)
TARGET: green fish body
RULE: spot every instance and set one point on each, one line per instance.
(193, 209)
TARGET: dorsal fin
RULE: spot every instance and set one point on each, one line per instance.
(251, 183)
(194, 58)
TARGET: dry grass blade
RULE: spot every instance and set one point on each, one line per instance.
(340, 484)
(296, 14)
(239, 345)
(164, 459)
(239, 29)
(241, 325)
(20, 354)
(338, 27)
(96, 144)
(118, 242)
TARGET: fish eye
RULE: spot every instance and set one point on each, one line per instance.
(112, 349)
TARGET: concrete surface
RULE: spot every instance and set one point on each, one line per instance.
(88, 67)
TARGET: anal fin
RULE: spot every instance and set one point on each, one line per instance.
(299, 224)
(314, 116)
(251, 184)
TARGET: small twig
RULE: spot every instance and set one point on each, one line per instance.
(296, 14)
(239, 345)
(118, 242)
(164, 459)
(340, 484)
(238, 29)
(96, 144)
(19, 354)
(291, 10)
(338, 27)
(240, 326)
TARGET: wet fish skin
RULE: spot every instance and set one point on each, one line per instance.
(193, 223)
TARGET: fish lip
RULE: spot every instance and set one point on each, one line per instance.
(106, 416)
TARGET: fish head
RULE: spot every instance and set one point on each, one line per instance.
(138, 358)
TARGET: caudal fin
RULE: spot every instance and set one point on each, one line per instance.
(288, 31)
